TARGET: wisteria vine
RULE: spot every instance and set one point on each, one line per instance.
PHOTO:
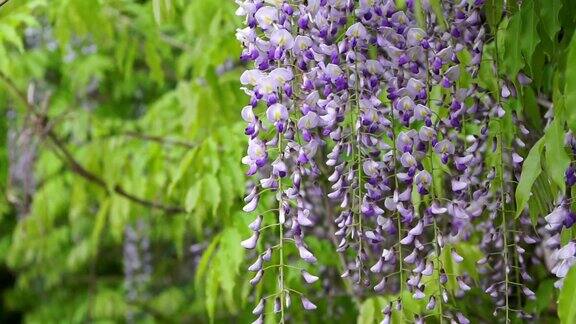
(379, 108)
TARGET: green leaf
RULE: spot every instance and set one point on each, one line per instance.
(182, 168)
(154, 61)
(367, 312)
(494, 10)
(549, 13)
(210, 155)
(10, 35)
(518, 51)
(119, 216)
(511, 55)
(205, 260)
(192, 196)
(211, 192)
(530, 171)
(211, 293)
(530, 37)
(486, 73)
(531, 110)
(162, 9)
(570, 87)
(512, 7)
(230, 258)
(567, 299)
(101, 217)
(228, 193)
(557, 160)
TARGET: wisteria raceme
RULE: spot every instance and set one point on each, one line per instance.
(137, 263)
(369, 119)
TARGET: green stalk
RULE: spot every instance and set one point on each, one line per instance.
(399, 221)
(359, 166)
(437, 247)
(281, 243)
(502, 198)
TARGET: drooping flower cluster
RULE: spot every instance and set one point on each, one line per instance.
(375, 111)
(137, 263)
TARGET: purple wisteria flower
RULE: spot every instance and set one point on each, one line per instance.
(367, 124)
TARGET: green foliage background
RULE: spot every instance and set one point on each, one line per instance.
(134, 110)
(143, 95)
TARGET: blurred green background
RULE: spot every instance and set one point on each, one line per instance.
(120, 162)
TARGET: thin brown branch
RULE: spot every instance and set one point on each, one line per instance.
(74, 165)
(3, 2)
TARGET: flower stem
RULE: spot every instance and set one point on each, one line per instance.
(359, 166)
(281, 243)
(502, 198)
(398, 220)
(437, 247)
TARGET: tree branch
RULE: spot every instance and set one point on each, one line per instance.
(74, 165)
(3, 2)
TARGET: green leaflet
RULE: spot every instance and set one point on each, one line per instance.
(570, 87)
(549, 13)
(202, 267)
(162, 10)
(211, 192)
(109, 304)
(486, 73)
(530, 38)
(531, 110)
(494, 10)
(557, 160)
(530, 171)
(228, 261)
(211, 293)
(542, 200)
(218, 269)
(9, 34)
(119, 216)
(169, 301)
(101, 217)
(567, 299)
(182, 168)
(367, 312)
(193, 195)
(517, 51)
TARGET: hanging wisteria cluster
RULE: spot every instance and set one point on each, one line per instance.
(377, 108)
(137, 262)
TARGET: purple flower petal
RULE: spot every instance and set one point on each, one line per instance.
(309, 278)
(250, 243)
(307, 304)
